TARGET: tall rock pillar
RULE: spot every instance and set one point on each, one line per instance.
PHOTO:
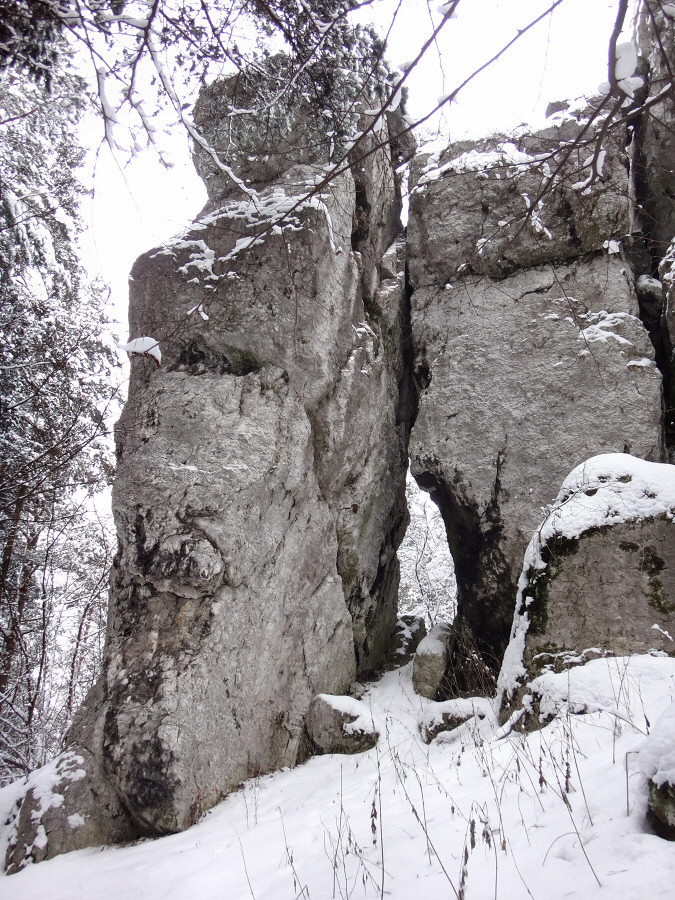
(260, 494)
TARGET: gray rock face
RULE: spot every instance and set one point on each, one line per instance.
(259, 504)
(258, 124)
(292, 134)
(613, 589)
(493, 207)
(377, 218)
(259, 501)
(529, 356)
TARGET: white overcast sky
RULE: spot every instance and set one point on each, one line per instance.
(137, 205)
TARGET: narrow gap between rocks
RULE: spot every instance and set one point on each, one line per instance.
(428, 588)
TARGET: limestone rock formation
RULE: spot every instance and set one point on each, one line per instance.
(489, 207)
(259, 501)
(529, 352)
(598, 576)
(260, 496)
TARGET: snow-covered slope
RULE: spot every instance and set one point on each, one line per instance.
(557, 813)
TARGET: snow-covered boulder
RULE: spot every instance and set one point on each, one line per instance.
(431, 660)
(56, 810)
(340, 724)
(657, 762)
(448, 717)
(599, 573)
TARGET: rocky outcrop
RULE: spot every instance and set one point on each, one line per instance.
(655, 192)
(529, 351)
(228, 611)
(259, 501)
(296, 135)
(260, 495)
(493, 207)
(598, 576)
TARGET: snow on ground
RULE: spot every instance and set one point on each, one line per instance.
(558, 813)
